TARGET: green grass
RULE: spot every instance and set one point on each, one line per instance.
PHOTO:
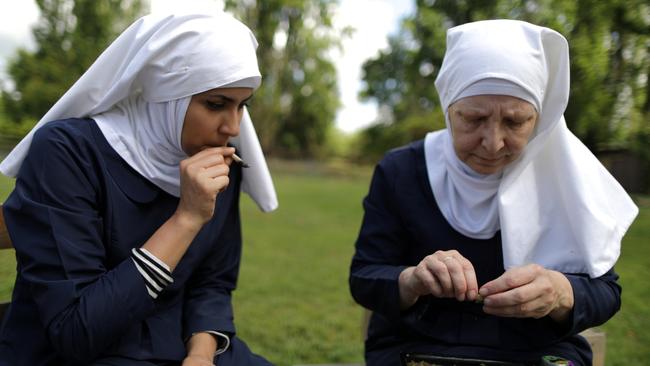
(7, 258)
(293, 304)
(628, 332)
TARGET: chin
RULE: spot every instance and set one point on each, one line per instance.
(486, 170)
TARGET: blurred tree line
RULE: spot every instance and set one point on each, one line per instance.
(295, 108)
(69, 36)
(609, 106)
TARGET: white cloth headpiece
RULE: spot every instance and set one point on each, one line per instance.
(139, 88)
(556, 205)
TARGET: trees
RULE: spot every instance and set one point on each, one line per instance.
(297, 102)
(610, 63)
(69, 36)
(294, 110)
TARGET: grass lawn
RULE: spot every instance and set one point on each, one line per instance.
(293, 304)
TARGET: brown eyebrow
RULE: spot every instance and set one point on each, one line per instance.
(520, 114)
(472, 111)
(229, 99)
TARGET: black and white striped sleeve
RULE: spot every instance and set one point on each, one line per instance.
(155, 272)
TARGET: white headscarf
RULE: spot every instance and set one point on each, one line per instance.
(556, 205)
(139, 88)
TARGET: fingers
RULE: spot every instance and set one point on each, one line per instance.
(470, 277)
(523, 292)
(212, 156)
(208, 173)
(203, 176)
(216, 177)
(428, 283)
(521, 302)
(512, 278)
(447, 274)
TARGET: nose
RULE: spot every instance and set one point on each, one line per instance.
(493, 136)
(231, 122)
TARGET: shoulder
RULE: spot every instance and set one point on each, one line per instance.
(62, 146)
(400, 166)
(70, 137)
(404, 157)
(64, 130)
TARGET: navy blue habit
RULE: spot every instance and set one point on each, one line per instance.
(402, 224)
(76, 212)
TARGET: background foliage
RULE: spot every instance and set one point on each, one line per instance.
(69, 36)
(294, 110)
(609, 45)
(296, 105)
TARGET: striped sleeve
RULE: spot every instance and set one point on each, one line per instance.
(155, 272)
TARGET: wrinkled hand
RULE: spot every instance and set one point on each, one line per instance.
(530, 291)
(203, 176)
(192, 360)
(442, 274)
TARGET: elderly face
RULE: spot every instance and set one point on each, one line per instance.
(490, 131)
(213, 117)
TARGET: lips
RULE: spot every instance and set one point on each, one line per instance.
(490, 161)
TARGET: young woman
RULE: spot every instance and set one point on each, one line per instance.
(125, 213)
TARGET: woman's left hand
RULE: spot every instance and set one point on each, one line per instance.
(193, 360)
(529, 291)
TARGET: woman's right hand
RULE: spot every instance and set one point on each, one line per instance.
(445, 274)
(203, 176)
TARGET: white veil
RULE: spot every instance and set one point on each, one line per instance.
(556, 205)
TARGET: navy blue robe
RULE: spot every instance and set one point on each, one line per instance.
(402, 224)
(76, 212)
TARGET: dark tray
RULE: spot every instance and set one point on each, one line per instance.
(414, 359)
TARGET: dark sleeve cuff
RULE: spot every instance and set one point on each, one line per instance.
(379, 289)
(211, 312)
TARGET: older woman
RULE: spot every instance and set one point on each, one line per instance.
(496, 237)
(125, 214)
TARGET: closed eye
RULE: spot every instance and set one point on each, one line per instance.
(476, 120)
(215, 106)
(514, 123)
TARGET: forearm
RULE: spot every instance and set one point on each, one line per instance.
(84, 329)
(596, 300)
(376, 287)
(170, 242)
(201, 347)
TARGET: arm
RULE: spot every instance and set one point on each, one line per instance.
(574, 302)
(208, 302)
(596, 300)
(203, 176)
(379, 267)
(54, 220)
(200, 350)
(379, 252)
